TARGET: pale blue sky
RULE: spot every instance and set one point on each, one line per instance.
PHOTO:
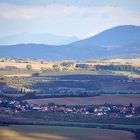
(81, 18)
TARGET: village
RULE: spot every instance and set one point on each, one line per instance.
(15, 106)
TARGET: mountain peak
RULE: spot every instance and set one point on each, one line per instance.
(119, 35)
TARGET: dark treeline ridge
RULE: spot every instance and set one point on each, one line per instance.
(33, 95)
(118, 68)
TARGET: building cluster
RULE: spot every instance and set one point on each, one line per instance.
(97, 110)
(7, 105)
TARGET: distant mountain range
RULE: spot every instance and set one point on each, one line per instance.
(36, 39)
(117, 41)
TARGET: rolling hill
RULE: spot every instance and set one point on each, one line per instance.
(36, 39)
(117, 41)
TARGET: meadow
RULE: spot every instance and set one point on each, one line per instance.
(31, 132)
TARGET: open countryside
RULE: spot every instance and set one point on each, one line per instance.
(69, 70)
(26, 132)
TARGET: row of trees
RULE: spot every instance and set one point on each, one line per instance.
(117, 68)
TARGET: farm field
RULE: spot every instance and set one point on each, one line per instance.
(31, 132)
(37, 65)
(22, 65)
(109, 99)
(132, 61)
(75, 84)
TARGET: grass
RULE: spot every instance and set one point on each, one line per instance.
(65, 123)
(10, 72)
(27, 132)
(125, 73)
(133, 61)
(31, 84)
(59, 73)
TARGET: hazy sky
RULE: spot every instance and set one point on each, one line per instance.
(81, 18)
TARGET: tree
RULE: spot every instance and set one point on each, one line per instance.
(56, 67)
(28, 67)
(67, 64)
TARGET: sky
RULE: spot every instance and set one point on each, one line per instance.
(80, 18)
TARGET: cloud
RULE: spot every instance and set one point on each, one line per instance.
(77, 3)
(26, 13)
(51, 2)
(18, 12)
(72, 20)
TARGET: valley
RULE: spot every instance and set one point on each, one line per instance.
(92, 91)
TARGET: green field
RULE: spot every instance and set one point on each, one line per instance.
(6, 72)
(59, 73)
(31, 132)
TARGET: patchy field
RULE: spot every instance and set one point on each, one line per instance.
(27, 132)
(35, 65)
(132, 61)
(110, 99)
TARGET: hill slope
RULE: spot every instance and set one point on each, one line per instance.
(36, 38)
(120, 40)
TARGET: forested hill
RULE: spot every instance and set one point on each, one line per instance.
(117, 41)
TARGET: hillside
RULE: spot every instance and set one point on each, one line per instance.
(117, 41)
(36, 38)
